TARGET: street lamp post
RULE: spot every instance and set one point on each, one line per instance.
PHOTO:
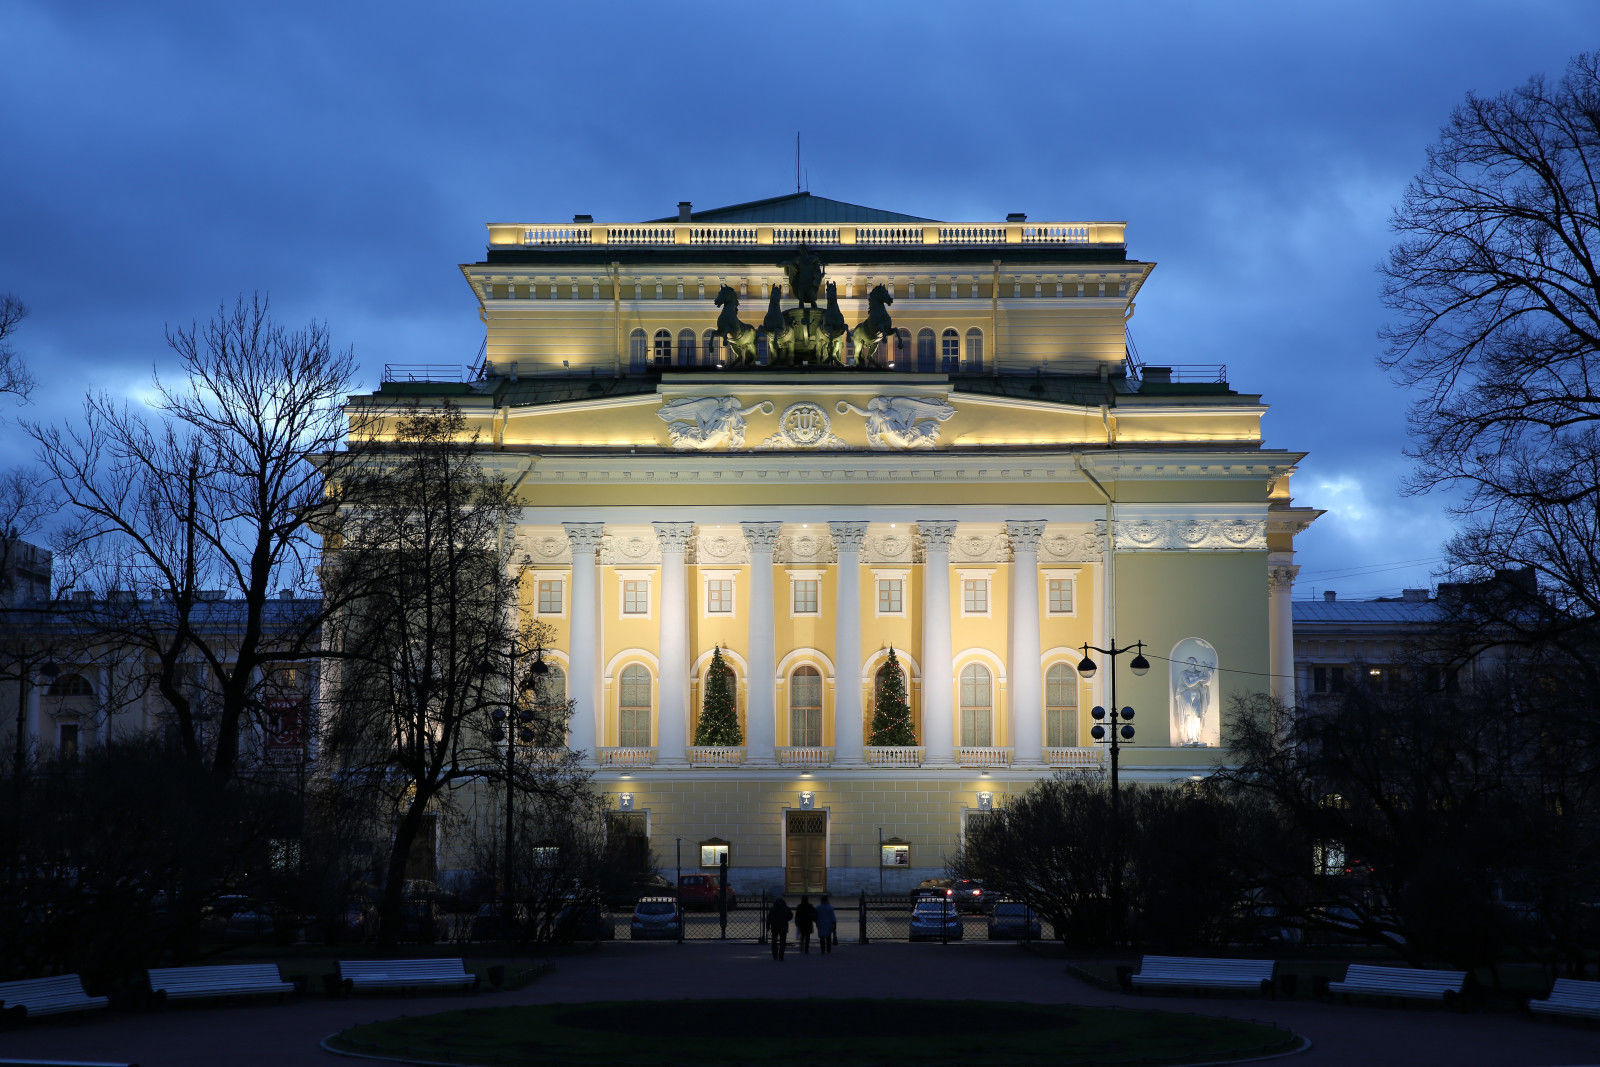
(518, 728)
(1120, 732)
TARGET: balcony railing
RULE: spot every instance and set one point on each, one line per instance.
(976, 756)
(627, 757)
(716, 755)
(1075, 758)
(896, 756)
(805, 755)
(819, 235)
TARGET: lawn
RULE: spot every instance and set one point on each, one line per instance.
(799, 1033)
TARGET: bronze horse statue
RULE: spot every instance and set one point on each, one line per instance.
(738, 337)
(834, 327)
(780, 335)
(875, 328)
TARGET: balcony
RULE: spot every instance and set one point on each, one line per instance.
(805, 755)
(977, 756)
(895, 756)
(1084, 759)
(627, 757)
(716, 755)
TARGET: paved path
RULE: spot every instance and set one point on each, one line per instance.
(271, 1035)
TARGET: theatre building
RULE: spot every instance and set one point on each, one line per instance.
(811, 435)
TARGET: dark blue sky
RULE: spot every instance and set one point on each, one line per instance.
(159, 158)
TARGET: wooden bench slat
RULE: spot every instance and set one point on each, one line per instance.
(403, 974)
(242, 979)
(1570, 996)
(1413, 982)
(49, 996)
(1197, 972)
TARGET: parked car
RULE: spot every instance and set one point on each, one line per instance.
(935, 918)
(968, 894)
(1012, 920)
(582, 920)
(626, 894)
(701, 891)
(657, 918)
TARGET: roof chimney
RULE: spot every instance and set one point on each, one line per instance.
(1329, 596)
(683, 211)
(1017, 216)
(587, 219)
(1414, 596)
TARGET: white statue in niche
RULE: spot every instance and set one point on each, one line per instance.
(706, 422)
(1194, 695)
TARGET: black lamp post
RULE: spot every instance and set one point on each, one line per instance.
(1120, 731)
(520, 728)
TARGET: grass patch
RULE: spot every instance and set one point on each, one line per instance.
(811, 1033)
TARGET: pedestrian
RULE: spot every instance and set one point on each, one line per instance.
(827, 925)
(778, 927)
(805, 920)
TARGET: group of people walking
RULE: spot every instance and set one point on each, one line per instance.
(808, 919)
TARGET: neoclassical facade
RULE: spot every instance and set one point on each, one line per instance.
(722, 443)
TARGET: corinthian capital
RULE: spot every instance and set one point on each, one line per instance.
(936, 534)
(585, 536)
(847, 536)
(762, 537)
(1025, 534)
(674, 536)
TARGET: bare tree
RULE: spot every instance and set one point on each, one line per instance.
(428, 649)
(1495, 279)
(14, 376)
(211, 498)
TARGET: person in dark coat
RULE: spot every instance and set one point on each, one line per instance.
(805, 921)
(778, 927)
(827, 925)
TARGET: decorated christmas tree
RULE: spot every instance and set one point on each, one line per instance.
(891, 719)
(719, 719)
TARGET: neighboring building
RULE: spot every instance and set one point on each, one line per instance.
(1340, 644)
(1001, 489)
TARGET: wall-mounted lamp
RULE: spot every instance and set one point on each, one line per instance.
(624, 801)
(808, 800)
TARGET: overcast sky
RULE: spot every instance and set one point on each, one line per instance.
(159, 158)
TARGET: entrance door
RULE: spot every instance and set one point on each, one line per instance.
(806, 853)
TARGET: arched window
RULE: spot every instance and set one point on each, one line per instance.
(949, 351)
(663, 348)
(709, 347)
(881, 678)
(1061, 706)
(633, 708)
(974, 349)
(805, 706)
(925, 362)
(550, 688)
(977, 707)
(71, 685)
(902, 349)
(763, 356)
(638, 352)
(686, 348)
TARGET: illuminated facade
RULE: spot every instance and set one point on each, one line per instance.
(1002, 488)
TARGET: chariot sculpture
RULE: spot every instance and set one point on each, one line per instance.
(805, 334)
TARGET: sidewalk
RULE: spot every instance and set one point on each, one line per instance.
(272, 1035)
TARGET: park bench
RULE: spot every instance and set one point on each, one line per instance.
(1194, 972)
(48, 996)
(66, 1063)
(233, 980)
(360, 975)
(1415, 983)
(1570, 996)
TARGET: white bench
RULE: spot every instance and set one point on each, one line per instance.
(233, 980)
(49, 996)
(1194, 972)
(358, 975)
(1415, 983)
(1570, 996)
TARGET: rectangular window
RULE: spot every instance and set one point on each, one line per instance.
(636, 596)
(890, 600)
(550, 596)
(975, 596)
(719, 596)
(713, 855)
(1336, 680)
(1060, 596)
(67, 742)
(1319, 679)
(805, 596)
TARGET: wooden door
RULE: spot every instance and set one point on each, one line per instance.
(806, 852)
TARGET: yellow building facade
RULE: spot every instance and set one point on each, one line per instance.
(985, 487)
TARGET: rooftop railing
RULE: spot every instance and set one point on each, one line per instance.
(950, 234)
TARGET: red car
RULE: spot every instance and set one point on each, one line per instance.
(700, 891)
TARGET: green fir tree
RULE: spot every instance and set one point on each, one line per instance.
(891, 719)
(719, 719)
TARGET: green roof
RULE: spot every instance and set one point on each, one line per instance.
(797, 207)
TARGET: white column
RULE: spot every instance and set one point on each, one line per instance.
(102, 694)
(938, 715)
(847, 722)
(673, 646)
(1280, 623)
(583, 679)
(1027, 727)
(35, 691)
(761, 715)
